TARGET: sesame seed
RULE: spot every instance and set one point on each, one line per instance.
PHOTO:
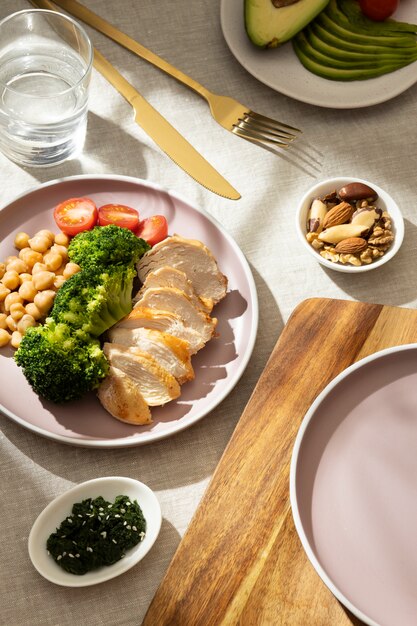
(129, 527)
(77, 556)
(124, 523)
(117, 515)
(99, 518)
(64, 554)
(69, 520)
(114, 540)
(134, 528)
(89, 549)
(48, 552)
(63, 536)
(71, 556)
(59, 557)
(122, 510)
(109, 506)
(101, 508)
(79, 515)
(128, 503)
(103, 534)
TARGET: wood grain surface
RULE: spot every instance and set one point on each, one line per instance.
(240, 561)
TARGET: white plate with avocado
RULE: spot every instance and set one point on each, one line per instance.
(280, 69)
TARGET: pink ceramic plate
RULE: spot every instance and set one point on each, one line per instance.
(218, 366)
(354, 487)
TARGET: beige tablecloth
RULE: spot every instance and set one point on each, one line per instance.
(376, 143)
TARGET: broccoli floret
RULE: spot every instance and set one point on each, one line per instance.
(106, 245)
(94, 300)
(61, 364)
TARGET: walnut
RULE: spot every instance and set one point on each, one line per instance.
(381, 238)
(350, 258)
(366, 256)
(330, 254)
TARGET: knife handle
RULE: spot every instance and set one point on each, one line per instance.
(78, 10)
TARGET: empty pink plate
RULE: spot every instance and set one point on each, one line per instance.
(353, 487)
(218, 366)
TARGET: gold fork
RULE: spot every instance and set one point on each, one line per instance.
(229, 113)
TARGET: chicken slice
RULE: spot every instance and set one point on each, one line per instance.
(171, 352)
(166, 276)
(165, 321)
(191, 257)
(174, 300)
(156, 385)
(120, 395)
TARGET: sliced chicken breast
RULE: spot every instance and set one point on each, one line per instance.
(165, 321)
(191, 257)
(120, 395)
(174, 300)
(156, 385)
(171, 352)
(166, 276)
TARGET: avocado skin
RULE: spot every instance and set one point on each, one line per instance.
(334, 48)
(269, 27)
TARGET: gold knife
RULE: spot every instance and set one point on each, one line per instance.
(158, 128)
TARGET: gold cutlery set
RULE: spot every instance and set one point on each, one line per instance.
(230, 114)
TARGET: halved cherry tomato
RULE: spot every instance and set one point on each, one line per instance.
(153, 229)
(75, 215)
(118, 214)
(378, 10)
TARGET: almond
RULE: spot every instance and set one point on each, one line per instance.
(339, 214)
(351, 245)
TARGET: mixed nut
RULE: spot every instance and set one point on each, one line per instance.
(347, 226)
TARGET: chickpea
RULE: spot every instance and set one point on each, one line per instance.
(17, 265)
(26, 322)
(39, 243)
(70, 269)
(13, 298)
(3, 317)
(46, 233)
(24, 277)
(10, 258)
(43, 280)
(4, 337)
(2, 269)
(32, 310)
(4, 292)
(38, 267)
(16, 339)
(11, 323)
(21, 240)
(44, 300)
(11, 279)
(52, 261)
(27, 290)
(59, 281)
(30, 257)
(62, 250)
(62, 239)
(17, 311)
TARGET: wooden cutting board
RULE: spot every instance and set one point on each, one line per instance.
(241, 561)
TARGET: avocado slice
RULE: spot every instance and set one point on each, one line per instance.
(326, 35)
(332, 46)
(358, 21)
(303, 51)
(268, 25)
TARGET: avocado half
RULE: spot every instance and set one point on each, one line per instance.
(268, 25)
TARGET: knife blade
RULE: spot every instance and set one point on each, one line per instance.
(175, 146)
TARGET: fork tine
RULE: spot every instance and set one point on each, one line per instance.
(265, 130)
(270, 122)
(256, 136)
(260, 125)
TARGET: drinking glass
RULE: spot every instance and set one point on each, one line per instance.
(45, 69)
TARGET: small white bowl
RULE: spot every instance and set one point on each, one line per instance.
(56, 511)
(385, 202)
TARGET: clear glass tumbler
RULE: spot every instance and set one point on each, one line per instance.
(45, 70)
